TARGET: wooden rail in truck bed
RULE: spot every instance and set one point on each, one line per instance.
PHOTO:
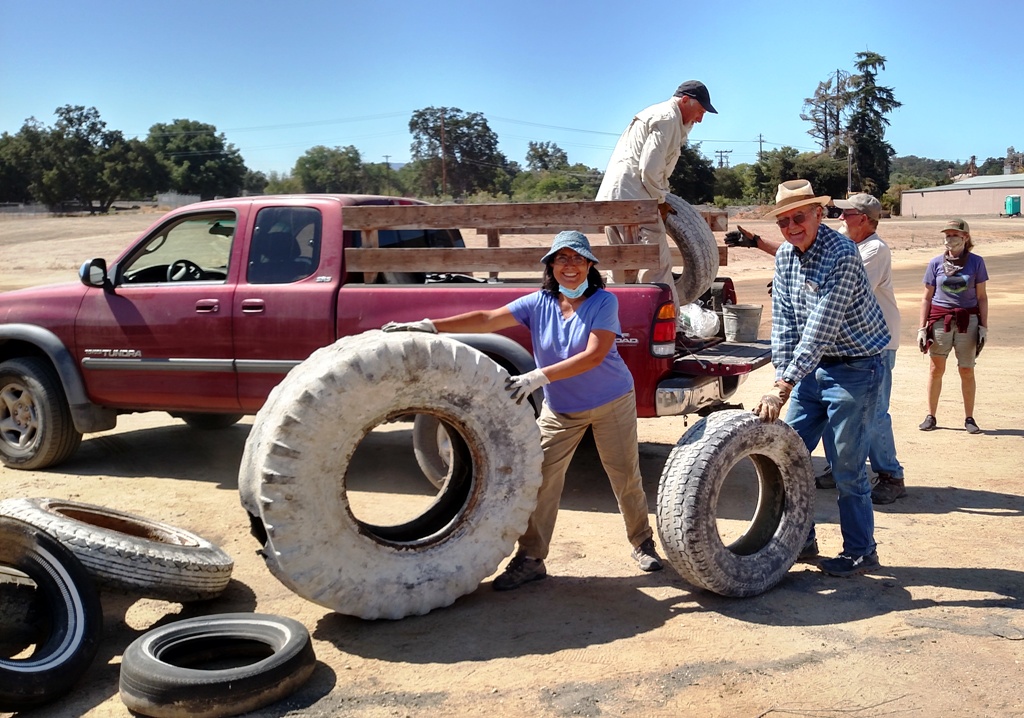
(495, 219)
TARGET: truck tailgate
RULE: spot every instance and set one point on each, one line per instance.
(722, 358)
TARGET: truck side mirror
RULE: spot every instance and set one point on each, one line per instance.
(94, 273)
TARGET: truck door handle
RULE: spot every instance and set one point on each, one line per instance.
(207, 306)
(252, 306)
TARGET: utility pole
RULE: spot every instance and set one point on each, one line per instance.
(723, 159)
(387, 174)
(444, 174)
(760, 146)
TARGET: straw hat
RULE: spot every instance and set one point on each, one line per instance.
(793, 194)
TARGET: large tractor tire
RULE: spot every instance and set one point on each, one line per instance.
(293, 474)
(688, 498)
(696, 243)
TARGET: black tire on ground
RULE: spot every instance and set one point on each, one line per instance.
(688, 497)
(69, 635)
(208, 422)
(129, 552)
(36, 430)
(215, 666)
(294, 465)
(696, 243)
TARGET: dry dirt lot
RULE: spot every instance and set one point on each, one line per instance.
(939, 631)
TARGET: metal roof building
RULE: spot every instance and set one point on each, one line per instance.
(984, 194)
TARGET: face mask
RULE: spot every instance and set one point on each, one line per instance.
(955, 245)
(574, 293)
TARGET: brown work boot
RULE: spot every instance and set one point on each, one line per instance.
(888, 489)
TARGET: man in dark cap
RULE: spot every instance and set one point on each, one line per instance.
(641, 164)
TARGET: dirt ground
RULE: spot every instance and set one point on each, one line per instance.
(939, 631)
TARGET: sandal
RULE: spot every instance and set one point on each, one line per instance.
(929, 423)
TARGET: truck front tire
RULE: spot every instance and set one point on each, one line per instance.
(688, 498)
(36, 429)
(294, 467)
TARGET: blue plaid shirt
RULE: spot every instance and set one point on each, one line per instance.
(822, 305)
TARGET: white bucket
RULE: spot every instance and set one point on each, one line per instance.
(741, 321)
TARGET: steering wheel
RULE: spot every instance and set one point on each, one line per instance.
(184, 270)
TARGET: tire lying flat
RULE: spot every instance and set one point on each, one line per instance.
(129, 552)
(697, 245)
(294, 465)
(688, 497)
(67, 594)
(178, 670)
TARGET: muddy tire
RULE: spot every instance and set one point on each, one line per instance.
(209, 422)
(688, 497)
(178, 670)
(36, 429)
(70, 631)
(129, 552)
(295, 462)
(696, 243)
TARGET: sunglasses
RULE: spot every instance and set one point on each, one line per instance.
(799, 218)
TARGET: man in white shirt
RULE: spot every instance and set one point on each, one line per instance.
(640, 167)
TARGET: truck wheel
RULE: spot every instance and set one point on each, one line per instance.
(36, 430)
(214, 666)
(208, 422)
(129, 552)
(696, 243)
(294, 474)
(691, 489)
(67, 637)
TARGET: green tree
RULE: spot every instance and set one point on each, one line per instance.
(872, 155)
(826, 111)
(772, 169)
(200, 159)
(728, 183)
(324, 169)
(992, 166)
(278, 183)
(455, 153)
(131, 170)
(15, 170)
(693, 178)
(255, 182)
(546, 156)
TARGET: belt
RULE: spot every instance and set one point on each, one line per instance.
(837, 360)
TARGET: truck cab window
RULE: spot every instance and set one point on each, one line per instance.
(285, 245)
(193, 249)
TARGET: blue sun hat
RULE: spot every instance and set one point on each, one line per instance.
(570, 239)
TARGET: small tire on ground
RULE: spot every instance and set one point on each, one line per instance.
(294, 466)
(36, 429)
(215, 666)
(129, 552)
(697, 245)
(688, 495)
(69, 632)
(208, 422)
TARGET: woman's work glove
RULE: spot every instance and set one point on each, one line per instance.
(423, 325)
(740, 237)
(922, 339)
(770, 406)
(982, 333)
(522, 385)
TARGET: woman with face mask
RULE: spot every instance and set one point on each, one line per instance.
(954, 316)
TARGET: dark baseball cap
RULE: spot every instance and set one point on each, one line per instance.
(696, 90)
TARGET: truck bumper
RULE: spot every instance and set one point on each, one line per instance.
(687, 395)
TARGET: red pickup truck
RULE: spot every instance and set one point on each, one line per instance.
(206, 312)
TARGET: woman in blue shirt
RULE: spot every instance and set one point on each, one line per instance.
(573, 323)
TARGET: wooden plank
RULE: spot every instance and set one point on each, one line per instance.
(478, 259)
(717, 219)
(549, 215)
(723, 255)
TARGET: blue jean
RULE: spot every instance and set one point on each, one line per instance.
(882, 451)
(842, 395)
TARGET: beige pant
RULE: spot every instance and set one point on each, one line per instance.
(614, 426)
(646, 234)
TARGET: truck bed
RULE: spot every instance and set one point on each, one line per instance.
(717, 358)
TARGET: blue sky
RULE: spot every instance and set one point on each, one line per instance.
(278, 78)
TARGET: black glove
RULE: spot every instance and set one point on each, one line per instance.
(740, 237)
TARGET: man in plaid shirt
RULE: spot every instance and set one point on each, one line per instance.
(828, 333)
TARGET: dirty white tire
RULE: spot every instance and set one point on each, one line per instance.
(688, 497)
(129, 552)
(433, 448)
(294, 465)
(696, 243)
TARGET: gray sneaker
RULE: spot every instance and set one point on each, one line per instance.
(647, 556)
(521, 569)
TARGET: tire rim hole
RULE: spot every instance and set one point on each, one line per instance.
(212, 653)
(750, 505)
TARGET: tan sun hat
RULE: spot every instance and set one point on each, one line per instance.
(793, 194)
